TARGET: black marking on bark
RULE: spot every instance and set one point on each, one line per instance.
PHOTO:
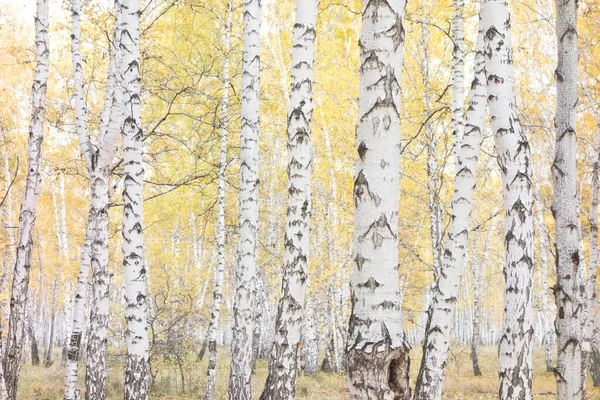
(360, 261)
(370, 284)
(362, 150)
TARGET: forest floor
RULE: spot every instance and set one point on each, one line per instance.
(39, 383)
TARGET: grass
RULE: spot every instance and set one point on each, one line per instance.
(39, 383)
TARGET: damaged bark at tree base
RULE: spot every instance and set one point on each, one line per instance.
(379, 374)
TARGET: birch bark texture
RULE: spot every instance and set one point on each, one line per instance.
(245, 289)
(24, 246)
(565, 206)
(514, 158)
(378, 353)
(215, 315)
(134, 266)
(281, 380)
(442, 308)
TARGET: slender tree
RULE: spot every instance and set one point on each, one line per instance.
(565, 206)
(589, 322)
(24, 246)
(245, 289)
(283, 362)
(94, 252)
(548, 327)
(514, 159)
(445, 292)
(211, 372)
(378, 359)
(134, 266)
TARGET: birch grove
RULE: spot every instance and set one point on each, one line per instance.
(306, 193)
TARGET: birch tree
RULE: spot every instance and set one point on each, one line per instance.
(514, 159)
(245, 289)
(24, 245)
(281, 380)
(378, 359)
(134, 266)
(445, 292)
(565, 207)
(589, 322)
(211, 372)
(94, 252)
(548, 328)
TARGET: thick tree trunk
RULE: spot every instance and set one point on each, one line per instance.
(134, 266)
(245, 289)
(20, 283)
(445, 293)
(378, 359)
(565, 207)
(514, 159)
(211, 372)
(281, 381)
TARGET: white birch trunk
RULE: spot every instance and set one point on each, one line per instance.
(457, 122)
(27, 215)
(590, 306)
(433, 170)
(514, 159)
(310, 347)
(213, 329)
(378, 359)
(79, 320)
(134, 268)
(547, 323)
(281, 381)
(95, 248)
(478, 273)
(445, 292)
(245, 289)
(565, 206)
